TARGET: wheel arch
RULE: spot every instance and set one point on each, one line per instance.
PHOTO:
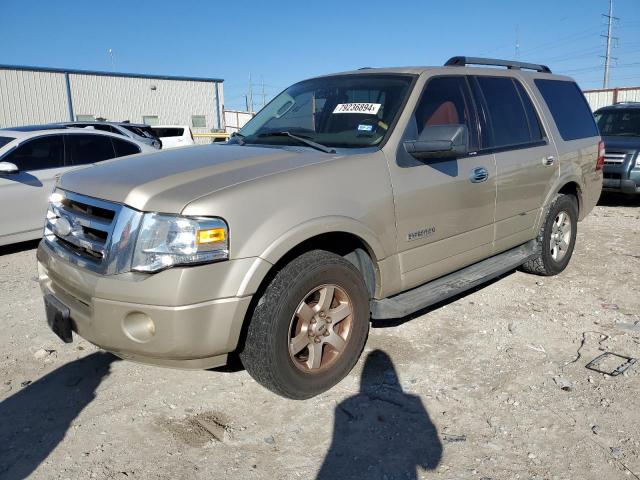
(347, 244)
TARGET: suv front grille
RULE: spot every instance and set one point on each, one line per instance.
(613, 157)
(95, 234)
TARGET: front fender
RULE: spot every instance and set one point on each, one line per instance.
(318, 226)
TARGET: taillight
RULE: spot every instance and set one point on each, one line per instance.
(600, 161)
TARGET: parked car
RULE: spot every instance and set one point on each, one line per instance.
(30, 160)
(371, 193)
(137, 131)
(620, 127)
(173, 136)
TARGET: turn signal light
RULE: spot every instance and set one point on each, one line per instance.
(211, 235)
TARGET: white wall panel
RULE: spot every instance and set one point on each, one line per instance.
(32, 97)
(631, 95)
(125, 98)
(598, 99)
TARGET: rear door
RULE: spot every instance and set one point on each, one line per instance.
(526, 163)
(82, 149)
(24, 195)
(444, 213)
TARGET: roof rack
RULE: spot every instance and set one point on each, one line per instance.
(510, 64)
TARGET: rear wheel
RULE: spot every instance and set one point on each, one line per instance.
(309, 327)
(558, 237)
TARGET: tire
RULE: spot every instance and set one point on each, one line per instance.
(285, 339)
(553, 257)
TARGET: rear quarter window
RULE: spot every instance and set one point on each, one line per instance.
(5, 140)
(569, 109)
(169, 132)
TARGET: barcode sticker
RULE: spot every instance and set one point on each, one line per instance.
(365, 108)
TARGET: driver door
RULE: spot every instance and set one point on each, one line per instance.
(444, 207)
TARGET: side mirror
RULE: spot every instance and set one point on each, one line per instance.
(440, 141)
(7, 168)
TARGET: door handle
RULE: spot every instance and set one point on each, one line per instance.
(479, 175)
(549, 160)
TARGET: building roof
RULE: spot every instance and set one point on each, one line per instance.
(108, 74)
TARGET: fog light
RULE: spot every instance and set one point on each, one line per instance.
(138, 327)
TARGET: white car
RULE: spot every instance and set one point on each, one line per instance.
(173, 136)
(30, 160)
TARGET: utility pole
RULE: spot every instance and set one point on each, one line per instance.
(250, 95)
(607, 57)
(264, 97)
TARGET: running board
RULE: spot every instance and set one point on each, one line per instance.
(452, 284)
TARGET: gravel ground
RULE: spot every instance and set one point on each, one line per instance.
(491, 385)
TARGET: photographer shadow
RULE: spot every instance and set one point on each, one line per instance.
(382, 432)
(35, 419)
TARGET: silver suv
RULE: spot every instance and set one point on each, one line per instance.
(371, 193)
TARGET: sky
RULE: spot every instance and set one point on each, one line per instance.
(280, 42)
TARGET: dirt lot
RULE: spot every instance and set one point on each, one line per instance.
(492, 385)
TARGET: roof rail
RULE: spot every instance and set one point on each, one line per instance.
(510, 64)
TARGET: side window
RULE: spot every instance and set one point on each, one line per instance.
(505, 110)
(83, 149)
(447, 101)
(534, 121)
(569, 109)
(123, 147)
(38, 154)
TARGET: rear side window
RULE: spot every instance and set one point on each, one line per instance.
(5, 140)
(38, 154)
(83, 149)
(505, 110)
(569, 109)
(169, 132)
(124, 148)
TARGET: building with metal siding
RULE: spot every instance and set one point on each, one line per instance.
(33, 95)
(609, 96)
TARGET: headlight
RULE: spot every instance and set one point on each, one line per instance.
(168, 240)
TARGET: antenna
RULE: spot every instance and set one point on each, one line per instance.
(517, 42)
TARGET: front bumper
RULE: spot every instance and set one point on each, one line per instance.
(182, 317)
(627, 186)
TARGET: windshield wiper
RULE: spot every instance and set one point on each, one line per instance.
(311, 143)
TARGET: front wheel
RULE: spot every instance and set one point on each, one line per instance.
(309, 327)
(558, 237)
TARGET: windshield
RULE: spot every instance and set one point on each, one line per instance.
(619, 122)
(342, 111)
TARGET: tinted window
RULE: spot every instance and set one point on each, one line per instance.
(534, 122)
(624, 123)
(506, 113)
(169, 132)
(141, 132)
(82, 149)
(124, 148)
(569, 109)
(38, 154)
(5, 140)
(446, 101)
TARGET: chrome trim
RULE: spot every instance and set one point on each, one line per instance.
(110, 256)
(615, 157)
